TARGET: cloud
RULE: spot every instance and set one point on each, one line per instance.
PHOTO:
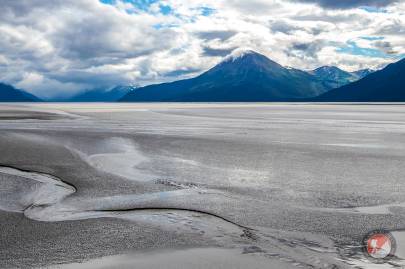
(58, 48)
(344, 4)
(221, 35)
(385, 46)
(180, 72)
(76, 39)
(212, 52)
(307, 49)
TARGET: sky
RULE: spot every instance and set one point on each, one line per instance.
(61, 47)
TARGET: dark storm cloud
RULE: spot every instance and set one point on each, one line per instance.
(344, 4)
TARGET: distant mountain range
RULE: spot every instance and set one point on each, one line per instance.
(363, 73)
(247, 76)
(10, 94)
(334, 77)
(386, 85)
(100, 95)
(243, 77)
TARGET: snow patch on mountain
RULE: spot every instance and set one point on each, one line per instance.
(238, 54)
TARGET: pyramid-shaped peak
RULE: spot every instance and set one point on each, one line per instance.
(240, 54)
(248, 59)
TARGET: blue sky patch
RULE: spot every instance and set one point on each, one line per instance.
(372, 38)
(165, 9)
(352, 48)
(373, 9)
(139, 4)
(206, 11)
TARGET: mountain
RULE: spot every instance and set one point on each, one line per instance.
(241, 77)
(334, 77)
(363, 73)
(386, 85)
(101, 95)
(10, 94)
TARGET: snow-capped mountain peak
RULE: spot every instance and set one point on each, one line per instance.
(238, 54)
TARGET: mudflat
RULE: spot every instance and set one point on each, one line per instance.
(285, 185)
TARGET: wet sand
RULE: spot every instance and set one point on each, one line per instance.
(299, 184)
(187, 259)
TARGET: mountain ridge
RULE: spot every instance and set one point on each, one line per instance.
(334, 77)
(247, 77)
(10, 94)
(386, 85)
(98, 95)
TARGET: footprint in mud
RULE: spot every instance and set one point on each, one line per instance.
(178, 185)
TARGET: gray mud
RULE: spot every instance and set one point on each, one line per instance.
(289, 185)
